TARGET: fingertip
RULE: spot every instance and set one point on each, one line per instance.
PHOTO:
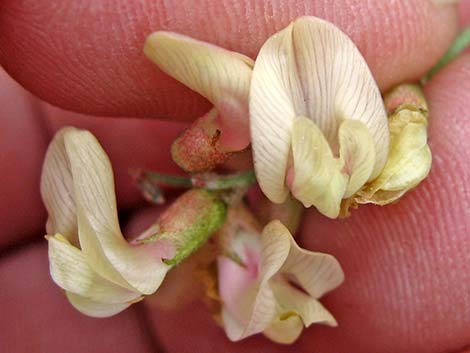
(65, 62)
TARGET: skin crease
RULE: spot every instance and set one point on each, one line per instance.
(406, 265)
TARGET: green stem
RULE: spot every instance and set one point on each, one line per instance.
(460, 44)
(234, 257)
(214, 182)
(167, 180)
(223, 182)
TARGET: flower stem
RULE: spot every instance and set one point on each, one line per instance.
(208, 181)
(216, 182)
(167, 180)
(232, 255)
(460, 44)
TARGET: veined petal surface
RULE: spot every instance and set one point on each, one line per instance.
(357, 151)
(93, 308)
(137, 267)
(318, 177)
(57, 190)
(222, 76)
(310, 69)
(309, 309)
(317, 273)
(70, 270)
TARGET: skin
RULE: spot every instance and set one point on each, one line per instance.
(407, 266)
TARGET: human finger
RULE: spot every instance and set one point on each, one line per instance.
(87, 56)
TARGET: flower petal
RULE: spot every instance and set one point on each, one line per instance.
(248, 300)
(409, 162)
(57, 190)
(255, 307)
(233, 326)
(337, 83)
(275, 250)
(276, 247)
(210, 70)
(234, 281)
(273, 107)
(356, 149)
(309, 69)
(220, 75)
(315, 272)
(292, 300)
(70, 271)
(294, 311)
(285, 329)
(318, 179)
(136, 267)
(95, 309)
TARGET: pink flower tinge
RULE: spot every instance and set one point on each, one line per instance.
(268, 284)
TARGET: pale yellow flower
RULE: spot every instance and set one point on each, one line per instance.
(100, 271)
(318, 124)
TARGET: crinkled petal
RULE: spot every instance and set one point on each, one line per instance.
(357, 150)
(137, 267)
(70, 271)
(276, 243)
(414, 166)
(57, 190)
(255, 307)
(309, 69)
(93, 308)
(220, 75)
(295, 310)
(285, 329)
(275, 250)
(409, 162)
(292, 300)
(318, 179)
(317, 273)
(410, 158)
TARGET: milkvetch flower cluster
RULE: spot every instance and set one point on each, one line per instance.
(319, 129)
(320, 135)
(266, 282)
